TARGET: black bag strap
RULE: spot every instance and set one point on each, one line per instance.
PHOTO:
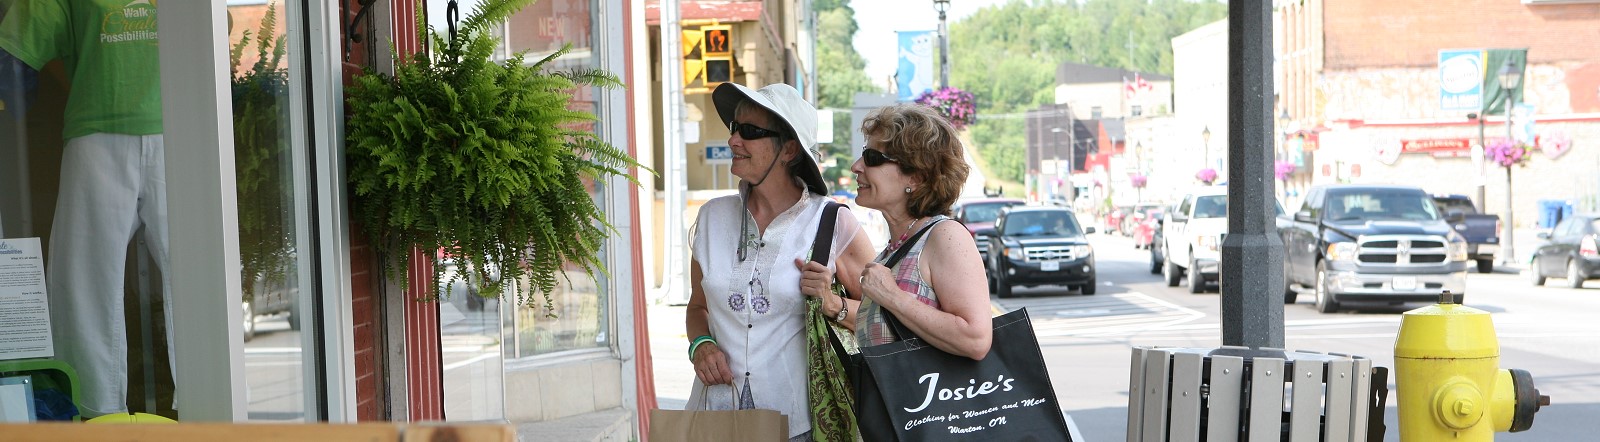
(900, 331)
(824, 242)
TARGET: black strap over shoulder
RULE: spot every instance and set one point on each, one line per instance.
(824, 242)
(900, 331)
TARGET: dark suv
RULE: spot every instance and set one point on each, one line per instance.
(1035, 246)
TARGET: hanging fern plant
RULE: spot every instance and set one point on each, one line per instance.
(485, 161)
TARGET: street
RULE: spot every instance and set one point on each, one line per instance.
(1550, 332)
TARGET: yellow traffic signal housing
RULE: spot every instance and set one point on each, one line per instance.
(693, 70)
(691, 42)
(717, 53)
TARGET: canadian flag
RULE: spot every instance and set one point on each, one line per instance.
(1136, 86)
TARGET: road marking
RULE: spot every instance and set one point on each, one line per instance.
(1103, 315)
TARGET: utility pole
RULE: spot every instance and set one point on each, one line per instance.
(675, 281)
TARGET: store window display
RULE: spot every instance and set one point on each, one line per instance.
(112, 176)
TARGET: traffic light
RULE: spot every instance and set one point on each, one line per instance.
(693, 67)
(717, 53)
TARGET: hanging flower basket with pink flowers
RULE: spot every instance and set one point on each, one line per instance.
(958, 106)
(1206, 175)
(1282, 169)
(1506, 152)
(1139, 181)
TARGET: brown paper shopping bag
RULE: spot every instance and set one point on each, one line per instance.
(718, 425)
(730, 425)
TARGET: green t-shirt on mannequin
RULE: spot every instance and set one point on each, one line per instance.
(109, 48)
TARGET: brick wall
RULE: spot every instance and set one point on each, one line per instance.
(1382, 33)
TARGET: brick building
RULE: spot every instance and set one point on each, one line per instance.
(1359, 95)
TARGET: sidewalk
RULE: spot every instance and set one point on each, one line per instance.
(1524, 242)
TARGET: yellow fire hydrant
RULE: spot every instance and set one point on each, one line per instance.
(1448, 380)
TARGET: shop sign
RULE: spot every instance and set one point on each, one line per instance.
(1461, 80)
(1438, 147)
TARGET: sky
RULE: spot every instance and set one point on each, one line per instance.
(879, 19)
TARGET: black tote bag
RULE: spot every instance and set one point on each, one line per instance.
(908, 390)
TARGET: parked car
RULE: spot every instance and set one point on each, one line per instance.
(1571, 250)
(979, 214)
(1158, 252)
(1040, 245)
(1482, 231)
(1144, 231)
(1115, 217)
(1136, 216)
(274, 295)
(1372, 243)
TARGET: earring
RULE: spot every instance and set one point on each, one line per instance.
(908, 189)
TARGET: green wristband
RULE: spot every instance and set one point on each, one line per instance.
(696, 344)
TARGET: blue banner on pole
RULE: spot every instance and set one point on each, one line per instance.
(915, 72)
(1461, 74)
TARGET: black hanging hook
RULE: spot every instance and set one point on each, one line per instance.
(452, 13)
(353, 31)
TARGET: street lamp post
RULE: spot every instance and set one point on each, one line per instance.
(1138, 169)
(944, 44)
(1205, 137)
(1510, 78)
(1055, 149)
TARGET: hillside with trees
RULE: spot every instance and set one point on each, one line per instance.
(1007, 55)
(841, 73)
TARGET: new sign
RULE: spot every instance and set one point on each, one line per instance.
(1461, 74)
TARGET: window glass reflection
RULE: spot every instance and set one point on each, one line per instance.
(269, 206)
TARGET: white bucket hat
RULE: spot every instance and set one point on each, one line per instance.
(784, 102)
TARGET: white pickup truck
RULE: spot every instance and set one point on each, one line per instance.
(1191, 237)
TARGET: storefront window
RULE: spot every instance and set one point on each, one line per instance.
(83, 171)
(269, 170)
(579, 318)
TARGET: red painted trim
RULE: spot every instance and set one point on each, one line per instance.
(644, 365)
(734, 11)
(424, 366)
(1491, 120)
(425, 386)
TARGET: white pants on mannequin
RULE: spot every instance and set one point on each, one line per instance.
(110, 185)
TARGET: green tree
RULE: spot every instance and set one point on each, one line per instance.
(1007, 56)
(841, 73)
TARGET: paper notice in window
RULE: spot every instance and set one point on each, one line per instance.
(24, 308)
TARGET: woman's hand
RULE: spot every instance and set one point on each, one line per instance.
(876, 280)
(816, 280)
(711, 365)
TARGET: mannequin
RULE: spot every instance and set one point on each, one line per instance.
(113, 177)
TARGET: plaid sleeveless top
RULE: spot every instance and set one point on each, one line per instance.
(871, 329)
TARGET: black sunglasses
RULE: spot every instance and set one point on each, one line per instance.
(874, 158)
(750, 131)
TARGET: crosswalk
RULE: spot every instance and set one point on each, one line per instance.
(1118, 314)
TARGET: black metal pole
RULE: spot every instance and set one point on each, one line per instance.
(1483, 179)
(1508, 241)
(1252, 253)
(944, 52)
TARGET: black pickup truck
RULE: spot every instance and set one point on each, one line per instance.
(1372, 243)
(1481, 231)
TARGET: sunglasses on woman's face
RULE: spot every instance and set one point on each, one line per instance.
(874, 158)
(750, 131)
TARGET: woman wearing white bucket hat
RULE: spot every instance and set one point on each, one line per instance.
(747, 309)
